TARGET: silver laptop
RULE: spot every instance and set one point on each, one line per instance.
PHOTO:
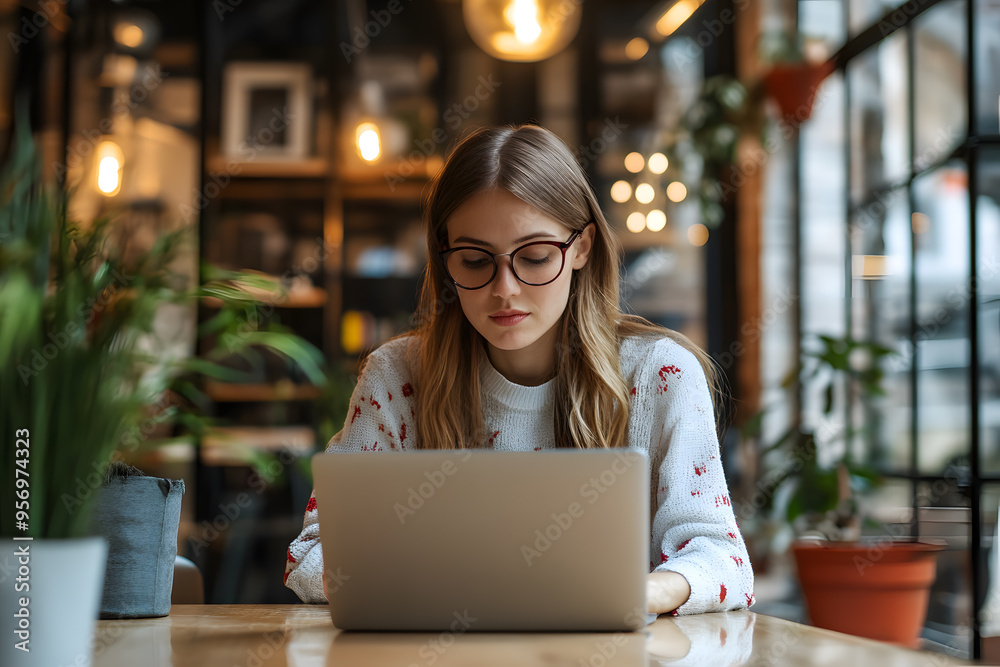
(464, 540)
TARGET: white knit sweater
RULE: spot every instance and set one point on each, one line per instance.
(693, 530)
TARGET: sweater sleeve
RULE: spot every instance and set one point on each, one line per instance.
(379, 419)
(694, 524)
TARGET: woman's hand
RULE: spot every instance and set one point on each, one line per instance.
(665, 591)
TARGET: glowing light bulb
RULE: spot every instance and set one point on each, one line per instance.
(676, 192)
(656, 220)
(522, 17)
(644, 193)
(635, 222)
(107, 175)
(658, 163)
(128, 34)
(621, 191)
(521, 30)
(369, 142)
(636, 48)
(634, 162)
(698, 234)
(110, 163)
(673, 18)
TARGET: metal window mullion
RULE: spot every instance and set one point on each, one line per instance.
(972, 157)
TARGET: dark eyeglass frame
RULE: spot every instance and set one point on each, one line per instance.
(496, 267)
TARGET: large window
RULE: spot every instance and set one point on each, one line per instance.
(899, 233)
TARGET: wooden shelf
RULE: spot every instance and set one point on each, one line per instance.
(312, 167)
(236, 445)
(366, 190)
(161, 451)
(285, 390)
(314, 297)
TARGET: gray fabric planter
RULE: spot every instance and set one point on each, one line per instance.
(139, 517)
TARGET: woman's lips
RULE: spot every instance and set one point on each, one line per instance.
(508, 320)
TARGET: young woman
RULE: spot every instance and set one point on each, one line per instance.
(520, 344)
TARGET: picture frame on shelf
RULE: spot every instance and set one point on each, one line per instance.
(266, 111)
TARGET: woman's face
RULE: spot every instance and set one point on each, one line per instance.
(511, 315)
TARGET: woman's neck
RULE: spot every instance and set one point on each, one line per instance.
(529, 366)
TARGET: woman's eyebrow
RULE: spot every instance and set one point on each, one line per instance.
(466, 239)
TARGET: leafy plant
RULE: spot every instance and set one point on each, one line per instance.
(817, 491)
(705, 141)
(75, 377)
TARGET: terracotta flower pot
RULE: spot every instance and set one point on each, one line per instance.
(794, 86)
(877, 590)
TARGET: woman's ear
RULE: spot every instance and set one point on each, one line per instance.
(583, 245)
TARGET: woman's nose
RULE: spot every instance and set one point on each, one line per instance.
(505, 283)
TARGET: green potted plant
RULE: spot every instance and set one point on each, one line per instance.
(704, 141)
(76, 382)
(702, 147)
(873, 588)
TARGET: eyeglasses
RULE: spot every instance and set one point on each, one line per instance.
(537, 263)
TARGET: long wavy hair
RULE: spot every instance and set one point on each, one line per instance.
(591, 398)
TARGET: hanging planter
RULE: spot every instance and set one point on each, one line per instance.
(877, 590)
(793, 87)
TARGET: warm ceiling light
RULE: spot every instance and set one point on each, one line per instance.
(621, 191)
(636, 222)
(128, 34)
(644, 193)
(369, 143)
(676, 15)
(658, 163)
(521, 30)
(656, 220)
(110, 164)
(636, 48)
(698, 234)
(634, 162)
(676, 192)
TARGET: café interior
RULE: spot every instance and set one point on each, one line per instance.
(809, 190)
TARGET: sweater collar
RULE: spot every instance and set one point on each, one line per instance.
(515, 396)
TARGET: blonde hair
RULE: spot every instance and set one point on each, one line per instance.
(591, 398)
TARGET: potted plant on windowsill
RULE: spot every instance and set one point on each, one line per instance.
(877, 589)
(76, 382)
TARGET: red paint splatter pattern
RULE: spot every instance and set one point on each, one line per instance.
(664, 372)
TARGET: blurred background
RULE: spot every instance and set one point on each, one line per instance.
(809, 190)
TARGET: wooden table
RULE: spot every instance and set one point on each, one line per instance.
(303, 635)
